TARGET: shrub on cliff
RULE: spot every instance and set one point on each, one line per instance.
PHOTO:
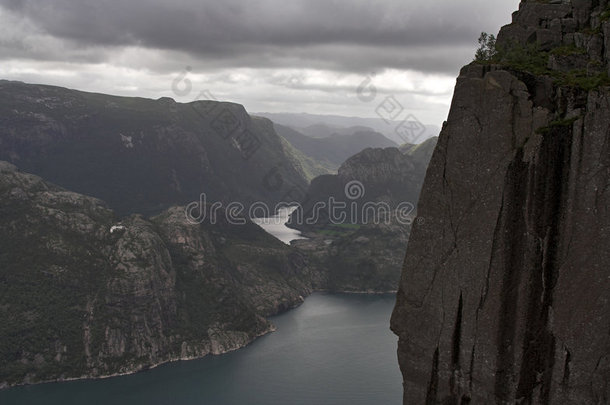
(487, 48)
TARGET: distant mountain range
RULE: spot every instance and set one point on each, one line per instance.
(332, 150)
(327, 131)
(320, 126)
(389, 175)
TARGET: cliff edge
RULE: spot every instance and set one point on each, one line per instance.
(504, 296)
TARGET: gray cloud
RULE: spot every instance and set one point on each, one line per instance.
(349, 35)
(270, 55)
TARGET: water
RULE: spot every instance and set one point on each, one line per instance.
(275, 225)
(332, 350)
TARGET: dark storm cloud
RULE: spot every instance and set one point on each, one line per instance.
(348, 35)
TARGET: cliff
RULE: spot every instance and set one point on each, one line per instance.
(504, 292)
(87, 295)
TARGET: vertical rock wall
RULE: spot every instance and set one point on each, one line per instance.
(505, 292)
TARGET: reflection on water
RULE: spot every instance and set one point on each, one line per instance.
(276, 225)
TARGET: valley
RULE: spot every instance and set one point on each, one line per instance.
(150, 283)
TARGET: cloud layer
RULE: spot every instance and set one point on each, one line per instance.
(265, 39)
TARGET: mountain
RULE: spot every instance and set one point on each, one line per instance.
(421, 152)
(363, 250)
(143, 156)
(322, 130)
(318, 125)
(332, 151)
(86, 294)
(505, 285)
(376, 176)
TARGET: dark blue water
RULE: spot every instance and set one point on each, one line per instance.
(333, 350)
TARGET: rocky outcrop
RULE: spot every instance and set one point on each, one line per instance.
(85, 294)
(504, 292)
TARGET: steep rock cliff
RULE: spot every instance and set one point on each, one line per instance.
(504, 297)
(87, 295)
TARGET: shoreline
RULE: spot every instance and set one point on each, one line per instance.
(269, 330)
(368, 292)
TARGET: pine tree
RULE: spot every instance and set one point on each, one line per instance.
(487, 48)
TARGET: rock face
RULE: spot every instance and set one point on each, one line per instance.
(505, 292)
(84, 295)
(143, 156)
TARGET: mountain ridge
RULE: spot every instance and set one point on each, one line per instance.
(333, 151)
(383, 175)
(388, 128)
(142, 155)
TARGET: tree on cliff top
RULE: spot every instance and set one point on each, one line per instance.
(487, 48)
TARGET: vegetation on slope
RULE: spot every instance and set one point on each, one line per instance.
(141, 155)
(530, 58)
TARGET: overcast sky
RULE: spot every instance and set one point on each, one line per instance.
(270, 55)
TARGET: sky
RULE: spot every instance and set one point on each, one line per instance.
(314, 56)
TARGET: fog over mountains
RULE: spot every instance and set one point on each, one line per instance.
(322, 126)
